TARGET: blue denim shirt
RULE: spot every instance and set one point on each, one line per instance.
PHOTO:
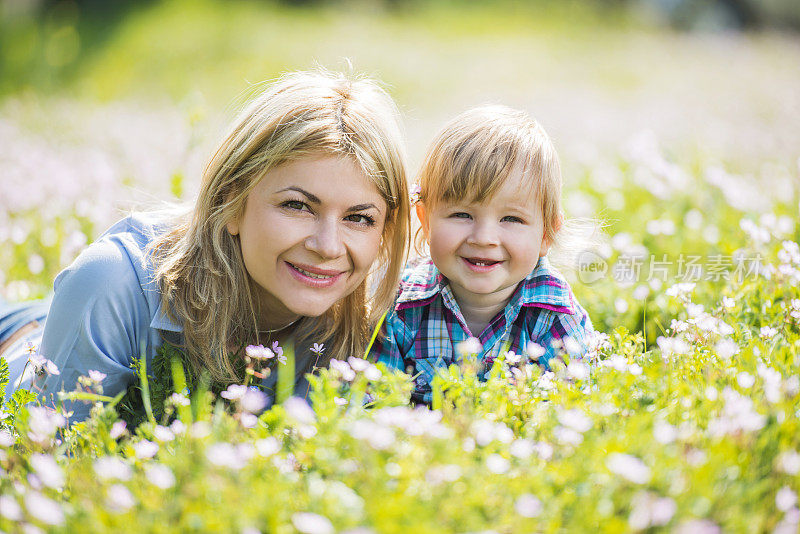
(105, 311)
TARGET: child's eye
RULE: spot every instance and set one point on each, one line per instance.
(460, 215)
(360, 218)
(511, 218)
(296, 205)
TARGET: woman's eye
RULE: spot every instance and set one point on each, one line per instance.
(360, 218)
(295, 205)
(511, 218)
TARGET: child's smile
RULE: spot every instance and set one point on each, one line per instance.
(486, 248)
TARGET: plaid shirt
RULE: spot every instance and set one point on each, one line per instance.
(421, 332)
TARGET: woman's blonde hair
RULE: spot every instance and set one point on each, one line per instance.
(199, 265)
(475, 153)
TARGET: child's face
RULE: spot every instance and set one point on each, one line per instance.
(485, 249)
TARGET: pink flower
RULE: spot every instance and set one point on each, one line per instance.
(96, 376)
(318, 348)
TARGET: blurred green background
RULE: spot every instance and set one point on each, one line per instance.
(674, 119)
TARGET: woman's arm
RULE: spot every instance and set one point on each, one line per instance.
(98, 320)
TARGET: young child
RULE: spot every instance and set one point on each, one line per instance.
(490, 209)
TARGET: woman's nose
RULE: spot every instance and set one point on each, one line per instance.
(484, 233)
(326, 240)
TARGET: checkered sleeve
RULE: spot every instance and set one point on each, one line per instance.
(569, 333)
(387, 349)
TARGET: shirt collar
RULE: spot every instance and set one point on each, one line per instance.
(544, 287)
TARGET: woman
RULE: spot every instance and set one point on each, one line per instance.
(304, 194)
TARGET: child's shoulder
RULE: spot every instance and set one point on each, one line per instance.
(546, 287)
(420, 281)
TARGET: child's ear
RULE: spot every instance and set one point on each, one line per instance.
(547, 242)
(422, 215)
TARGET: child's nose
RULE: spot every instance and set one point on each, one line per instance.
(326, 240)
(484, 233)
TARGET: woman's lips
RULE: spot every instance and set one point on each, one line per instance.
(481, 265)
(314, 276)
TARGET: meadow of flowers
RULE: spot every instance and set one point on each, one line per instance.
(683, 418)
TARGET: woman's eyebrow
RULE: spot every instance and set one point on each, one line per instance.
(362, 207)
(310, 196)
(315, 199)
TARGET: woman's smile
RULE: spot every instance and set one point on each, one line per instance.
(310, 231)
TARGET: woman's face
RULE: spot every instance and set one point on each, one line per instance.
(310, 230)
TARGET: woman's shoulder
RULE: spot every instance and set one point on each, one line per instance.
(117, 259)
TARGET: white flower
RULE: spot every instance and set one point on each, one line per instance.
(117, 429)
(785, 499)
(527, 505)
(672, 345)
(268, 446)
(179, 399)
(9, 508)
(254, 400)
(726, 349)
(572, 346)
(628, 467)
(512, 358)
(200, 429)
(258, 352)
(534, 350)
(159, 475)
(497, 464)
(486, 431)
(443, 473)
(768, 331)
(225, 455)
(789, 462)
(745, 380)
(299, 410)
(6, 439)
(234, 392)
(567, 436)
(521, 448)
(664, 432)
(378, 436)
(162, 433)
(342, 369)
(575, 420)
(43, 423)
(648, 509)
(358, 364)
(472, 345)
(111, 467)
(48, 471)
(698, 526)
(309, 523)
(680, 289)
(145, 449)
(45, 510)
(578, 370)
(119, 498)
(42, 366)
(728, 302)
(96, 376)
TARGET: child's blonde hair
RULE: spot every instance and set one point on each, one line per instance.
(475, 153)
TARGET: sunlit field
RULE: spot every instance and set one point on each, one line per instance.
(685, 148)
